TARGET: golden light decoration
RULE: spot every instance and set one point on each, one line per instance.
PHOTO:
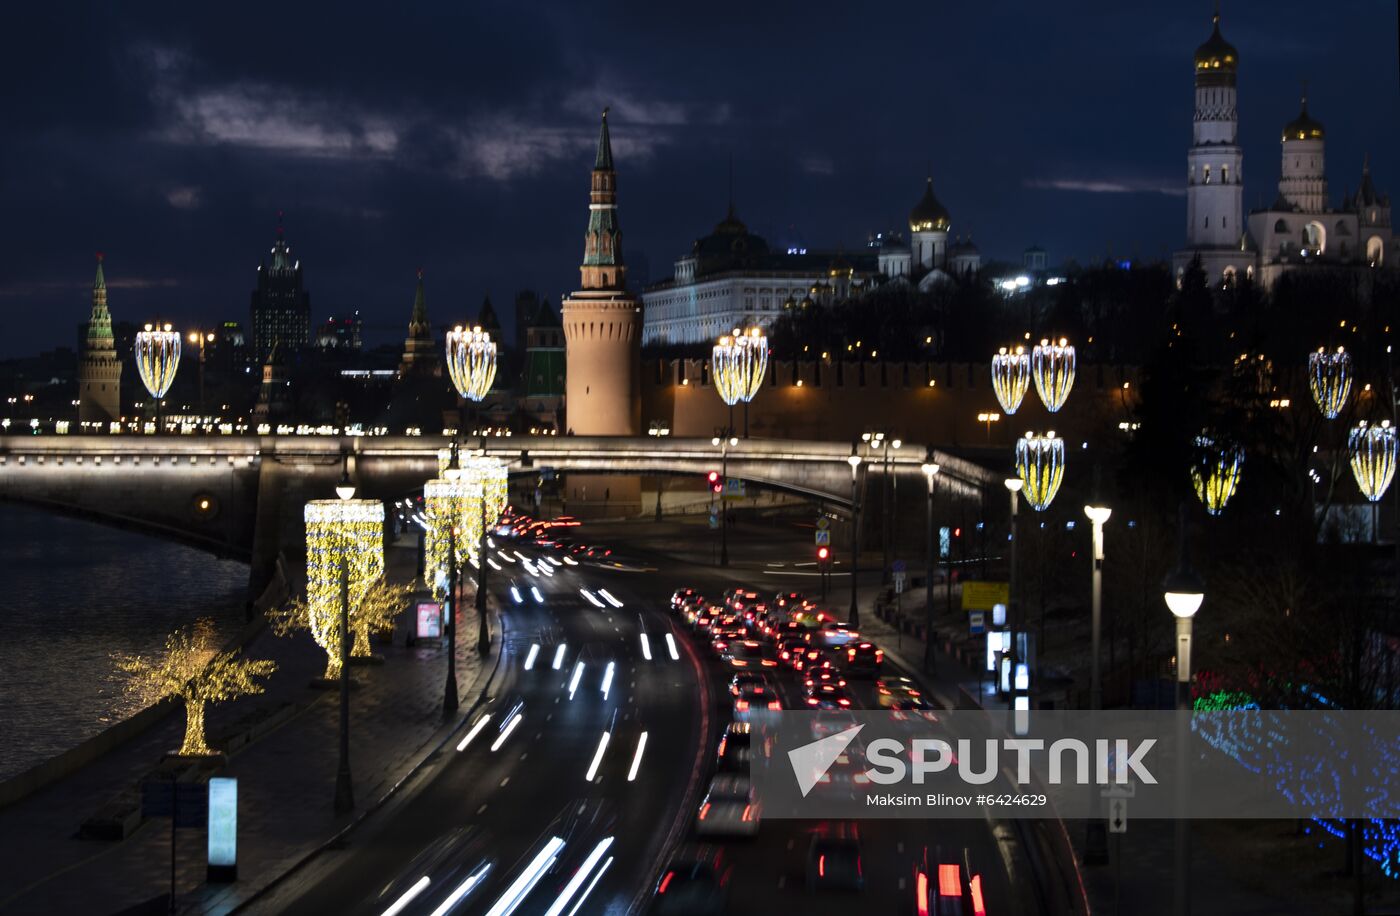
(494, 479)
(1372, 452)
(447, 502)
(157, 358)
(1329, 377)
(1052, 366)
(1215, 474)
(1011, 377)
(738, 365)
(471, 362)
(1040, 463)
(340, 531)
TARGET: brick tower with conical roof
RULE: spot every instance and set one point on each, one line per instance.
(100, 374)
(602, 321)
(420, 356)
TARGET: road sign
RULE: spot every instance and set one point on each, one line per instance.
(976, 623)
(1117, 815)
(899, 582)
(823, 523)
(983, 596)
(823, 537)
(733, 488)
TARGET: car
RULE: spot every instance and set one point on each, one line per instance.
(784, 600)
(598, 553)
(863, 659)
(735, 749)
(831, 722)
(829, 674)
(833, 860)
(790, 648)
(721, 637)
(745, 679)
(900, 693)
(691, 607)
(748, 653)
(756, 703)
(848, 774)
(680, 596)
(943, 892)
(833, 634)
(809, 657)
(827, 696)
(729, 808)
(694, 883)
(739, 599)
(702, 620)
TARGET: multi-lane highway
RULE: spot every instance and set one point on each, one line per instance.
(577, 777)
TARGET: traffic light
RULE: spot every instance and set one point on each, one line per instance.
(715, 485)
(823, 554)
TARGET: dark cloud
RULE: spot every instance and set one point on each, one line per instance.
(457, 136)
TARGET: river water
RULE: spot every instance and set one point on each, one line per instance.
(72, 593)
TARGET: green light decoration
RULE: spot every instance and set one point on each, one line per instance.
(1372, 453)
(1329, 377)
(1215, 474)
(1040, 463)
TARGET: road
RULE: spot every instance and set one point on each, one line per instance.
(518, 793)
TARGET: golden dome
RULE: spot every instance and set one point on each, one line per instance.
(928, 214)
(1217, 54)
(1303, 127)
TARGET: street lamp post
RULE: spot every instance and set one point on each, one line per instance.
(854, 461)
(1013, 486)
(344, 786)
(483, 627)
(1183, 592)
(930, 472)
(201, 338)
(1095, 836)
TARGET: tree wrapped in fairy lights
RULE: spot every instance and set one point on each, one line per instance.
(738, 365)
(471, 362)
(1371, 449)
(194, 669)
(1011, 377)
(341, 533)
(1052, 367)
(1040, 463)
(1215, 472)
(1329, 378)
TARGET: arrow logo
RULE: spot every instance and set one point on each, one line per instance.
(811, 761)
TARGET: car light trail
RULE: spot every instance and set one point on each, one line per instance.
(608, 597)
(505, 556)
(597, 757)
(646, 647)
(526, 881)
(529, 567)
(589, 889)
(407, 896)
(571, 561)
(607, 680)
(579, 877)
(559, 655)
(505, 732)
(515, 594)
(539, 599)
(534, 653)
(553, 562)
(493, 564)
(546, 570)
(462, 890)
(637, 758)
(573, 681)
(475, 730)
(589, 595)
(671, 647)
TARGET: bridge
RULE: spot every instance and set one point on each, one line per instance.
(242, 496)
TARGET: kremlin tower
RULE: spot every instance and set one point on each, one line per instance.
(100, 374)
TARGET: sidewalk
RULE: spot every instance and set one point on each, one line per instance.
(286, 780)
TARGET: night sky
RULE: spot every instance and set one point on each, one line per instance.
(458, 137)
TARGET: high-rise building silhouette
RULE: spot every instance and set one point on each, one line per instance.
(281, 306)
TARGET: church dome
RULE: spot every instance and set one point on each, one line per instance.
(1216, 54)
(1303, 127)
(928, 214)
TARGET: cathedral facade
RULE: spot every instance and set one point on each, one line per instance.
(1301, 229)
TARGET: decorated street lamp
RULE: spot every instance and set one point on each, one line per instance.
(1040, 463)
(446, 506)
(488, 478)
(1215, 474)
(1011, 378)
(1372, 450)
(738, 365)
(157, 359)
(930, 470)
(471, 362)
(1329, 377)
(854, 462)
(344, 548)
(1052, 367)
